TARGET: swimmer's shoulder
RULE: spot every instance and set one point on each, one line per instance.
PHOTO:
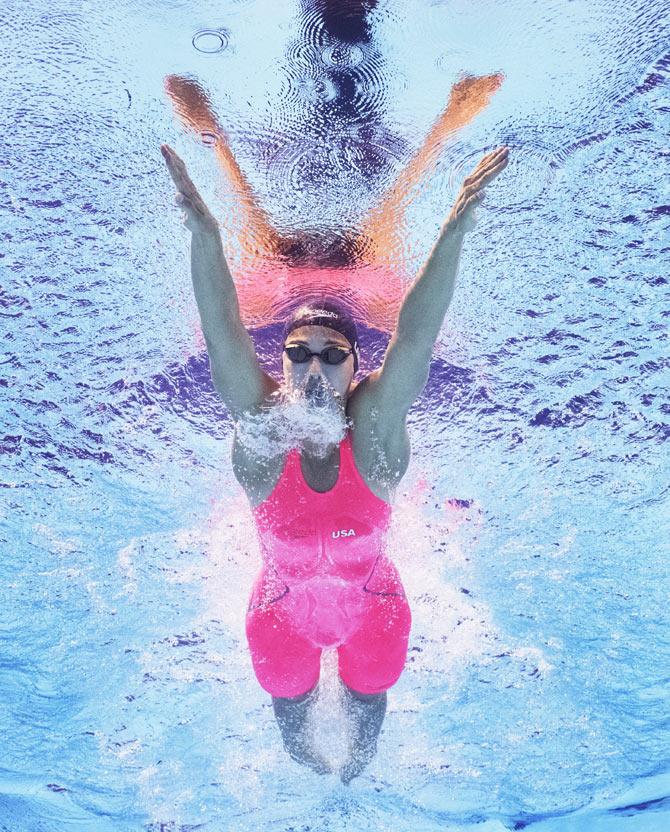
(257, 474)
(379, 439)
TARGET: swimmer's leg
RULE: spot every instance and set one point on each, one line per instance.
(371, 661)
(194, 109)
(380, 230)
(286, 665)
(366, 713)
(292, 717)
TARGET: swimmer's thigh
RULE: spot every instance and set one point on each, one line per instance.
(285, 663)
(373, 658)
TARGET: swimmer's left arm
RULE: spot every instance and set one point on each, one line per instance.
(404, 372)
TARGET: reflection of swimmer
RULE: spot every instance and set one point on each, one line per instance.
(322, 511)
(377, 238)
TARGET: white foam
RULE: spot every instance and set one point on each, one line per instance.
(294, 421)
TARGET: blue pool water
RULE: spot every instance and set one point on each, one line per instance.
(532, 527)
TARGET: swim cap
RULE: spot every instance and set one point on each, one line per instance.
(325, 313)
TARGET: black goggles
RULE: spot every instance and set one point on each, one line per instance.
(330, 355)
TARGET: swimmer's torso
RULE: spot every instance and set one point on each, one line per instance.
(320, 549)
(338, 532)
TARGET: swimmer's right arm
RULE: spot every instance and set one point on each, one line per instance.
(236, 372)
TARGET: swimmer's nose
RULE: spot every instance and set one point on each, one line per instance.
(314, 366)
(314, 381)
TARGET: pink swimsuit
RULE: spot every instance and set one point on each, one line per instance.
(326, 582)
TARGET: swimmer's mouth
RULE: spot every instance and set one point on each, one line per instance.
(318, 394)
(318, 399)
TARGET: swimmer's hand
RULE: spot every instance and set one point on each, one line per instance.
(197, 216)
(463, 218)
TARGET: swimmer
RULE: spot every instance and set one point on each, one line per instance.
(322, 512)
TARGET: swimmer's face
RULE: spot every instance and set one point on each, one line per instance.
(314, 377)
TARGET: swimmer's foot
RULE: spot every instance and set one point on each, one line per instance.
(366, 714)
(309, 758)
(347, 774)
(355, 766)
(299, 748)
(291, 715)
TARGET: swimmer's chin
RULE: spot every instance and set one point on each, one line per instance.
(317, 450)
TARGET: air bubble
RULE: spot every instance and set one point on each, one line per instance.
(210, 41)
(316, 89)
(342, 55)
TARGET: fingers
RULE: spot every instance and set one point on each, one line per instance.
(492, 160)
(187, 196)
(495, 158)
(487, 176)
(176, 166)
(486, 171)
(472, 191)
(179, 174)
(172, 159)
(498, 153)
